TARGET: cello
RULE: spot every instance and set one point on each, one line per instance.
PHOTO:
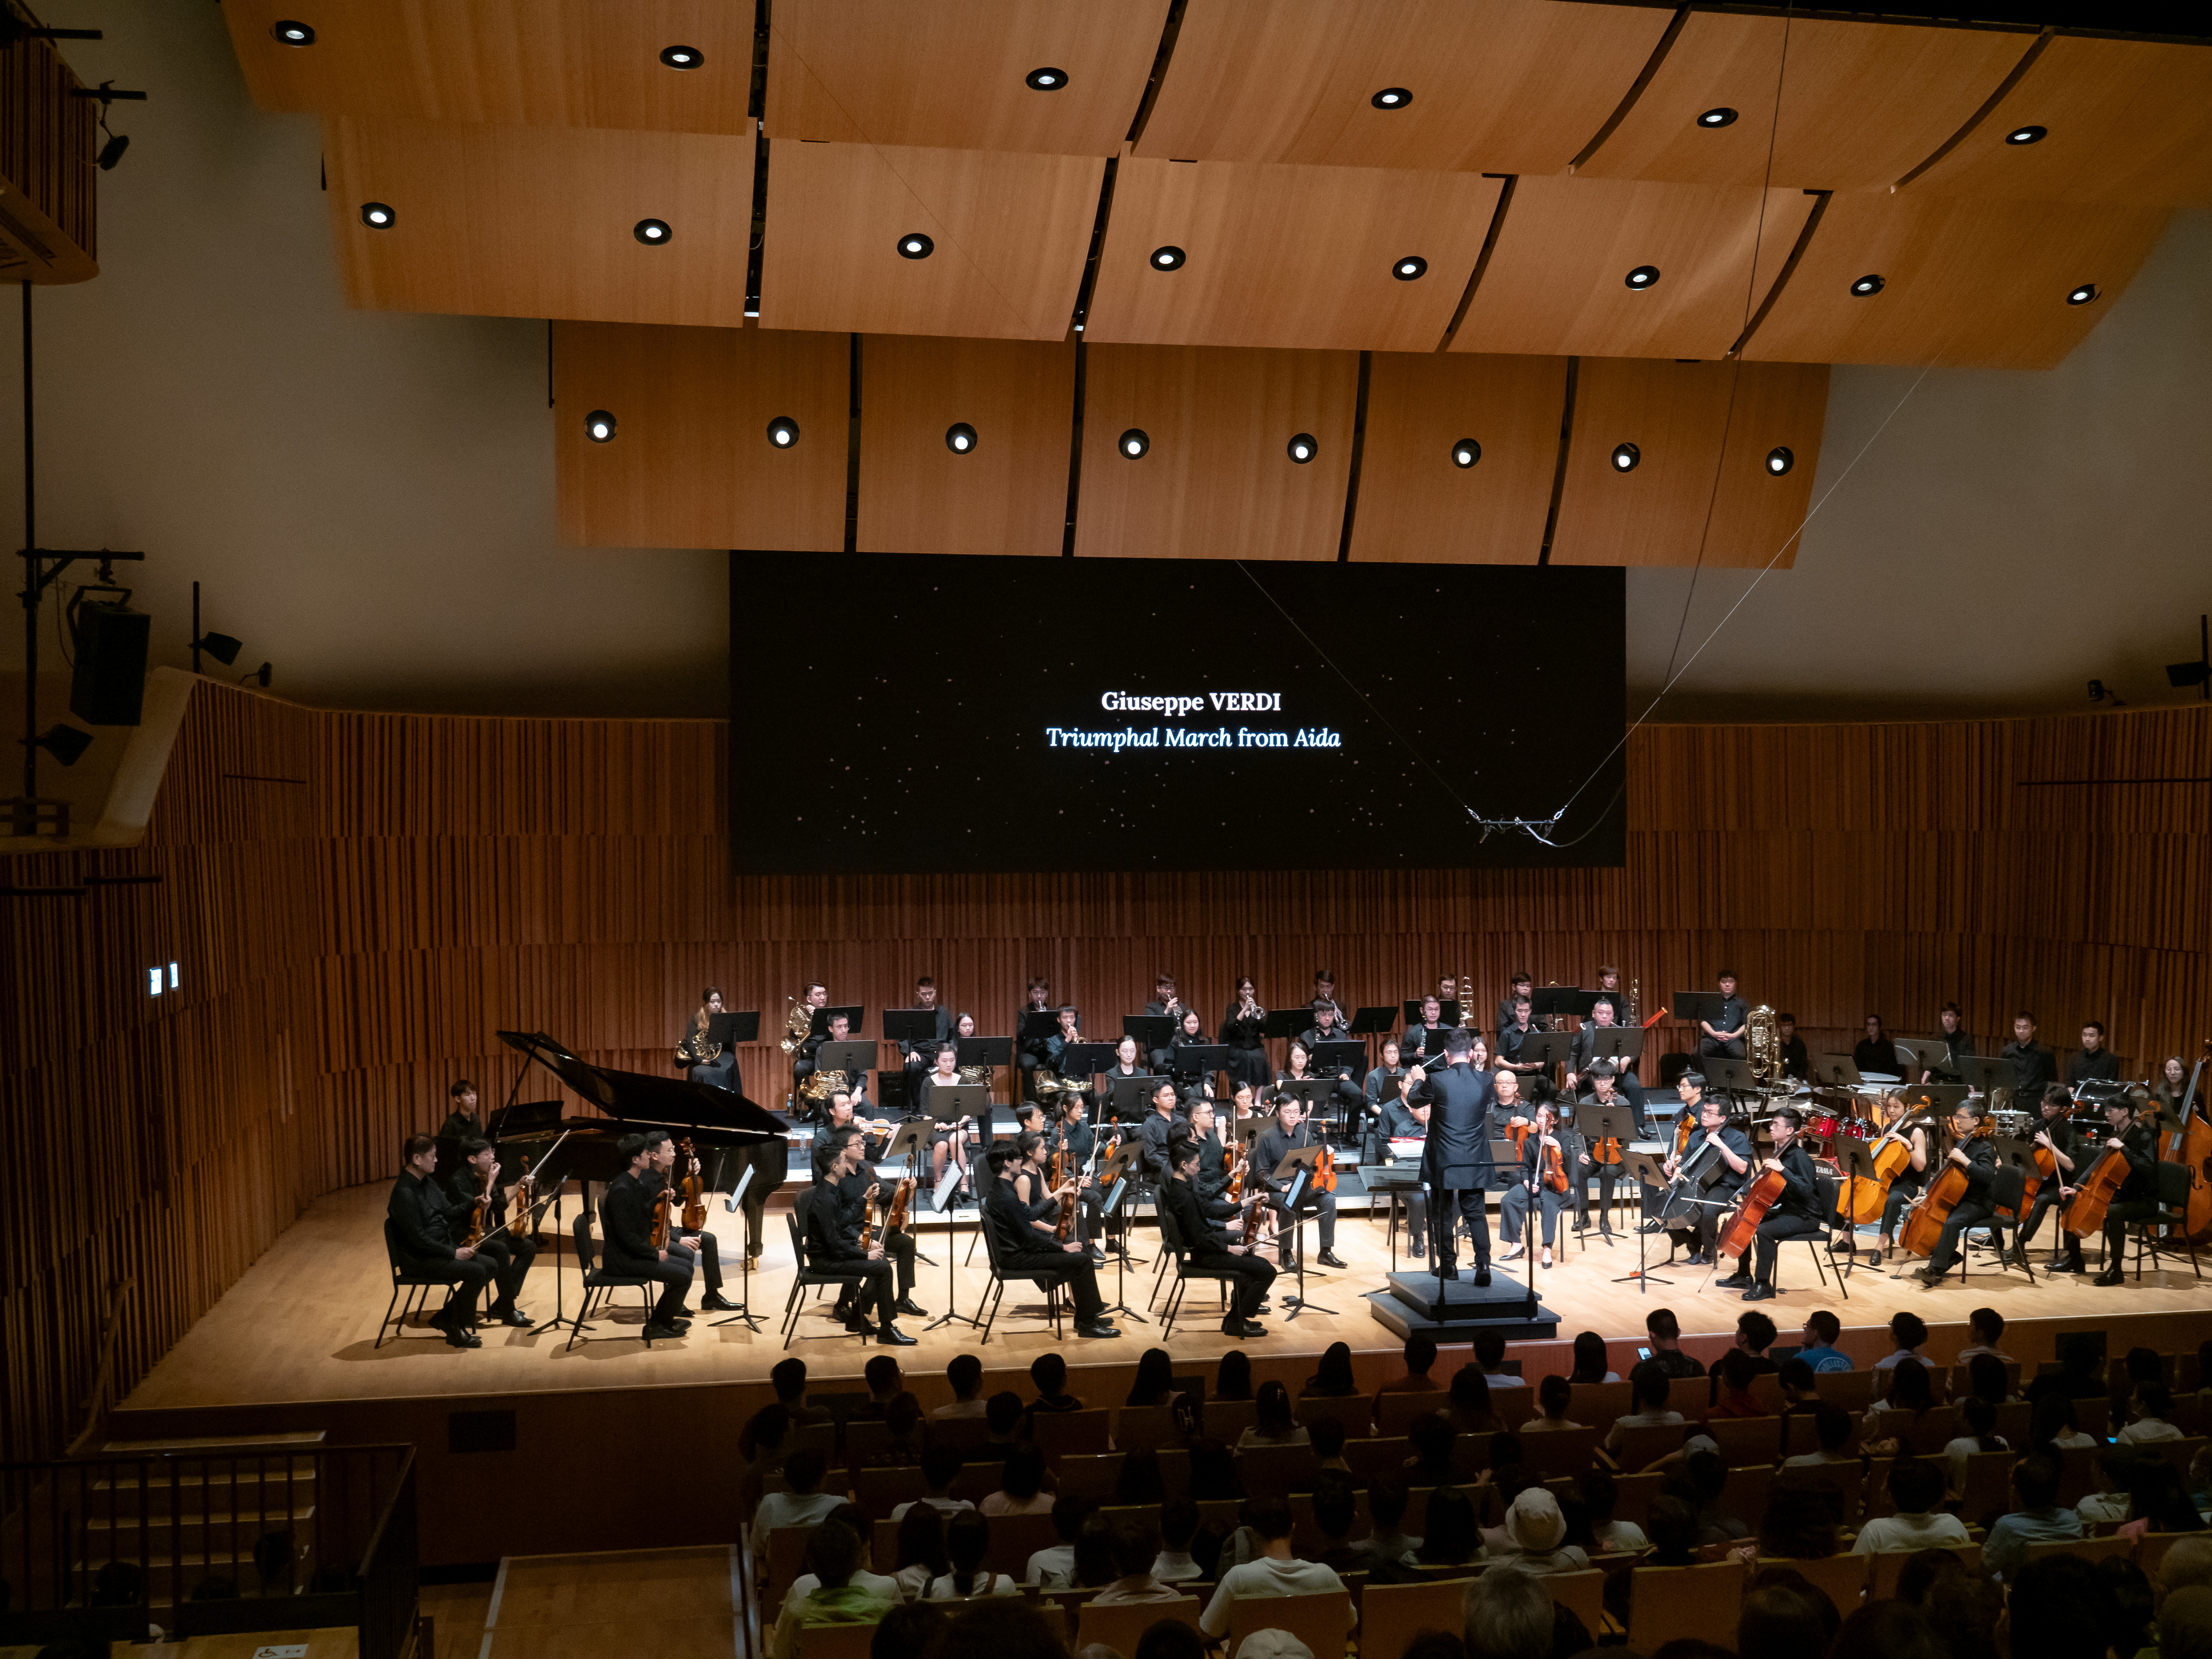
(1862, 1201)
(2094, 1192)
(1925, 1221)
(1741, 1226)
(2191, 1143)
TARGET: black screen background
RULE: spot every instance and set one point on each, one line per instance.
(892, 713)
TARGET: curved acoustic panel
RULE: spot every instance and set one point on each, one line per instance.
(1286, 256)
(1653, 514)
(1008, 236)
(1498, 86)
(919, 72)
(1859, 105)
(1216, 480)
(1557, 279)
(1761, 498)
(1970, 282)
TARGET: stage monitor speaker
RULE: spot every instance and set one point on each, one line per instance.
(110, 683)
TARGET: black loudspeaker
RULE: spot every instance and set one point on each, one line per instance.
(110, 683)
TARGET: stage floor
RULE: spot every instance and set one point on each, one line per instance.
(301, 1325)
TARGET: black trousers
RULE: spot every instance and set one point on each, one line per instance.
(2046, 1199)
(1900, 1200)
(1969, 1213)
(873, 1293)
(1700, 1227)
(1253, 1276)
(1417, 1222)
(1251, 1066)
(1732, 1049)
(770, 1163)
(1513, 1212)
(2117, 1217)
(1069, 1268)
(1322, 1205)
(1767, 1245)
(1452, 1207)
(512, 1253)
(1605, 1175)
(899, 1250)
(468, 1279)
(696, 1250)
(673, 1276)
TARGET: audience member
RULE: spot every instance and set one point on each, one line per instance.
(1386, 1508)
(1978, 1418)
(1508, 1615)
(1731, 1386)
(1652, 1387)
(921, 1550)
(1021, 1485)
(1335, 1510)
(2034, 1518)
(940, 1467)
(1331, 1379)
(1590, 1362)
(967, 1541)
(1013, 1629)
(1233, 1379)
(788, 1378)
(1915, 1489)
(2051, 1425)
(1819, 1348)
(833, 1564)
(1326, 1436)
(1420, 1355)
(2059, 1608)
(1452, 1535)
(2133, 1601)
(2147, 1410)
(1053, 1566)
(1910, 1333)
(1889, 1630)
(1490, 1354)
(2186, 1564)
(965, 1374)
(804, 1504)
(1831, 1432)
(915, 1628)
(1666, 1333)
(1800, 1523)
(1469, 1411)
(2185, 1623)
(1554, 1394)
(1155, 1381)
(1600, 1495)
(1003, 1419)
(1986, 1327)
(1672, 1524)
(1135, 1543)
(1048, 1375)
(1784, 1617)
(1431, 1438)
(1278, 1572)
(1273, 1423)
(1535, 1536)
(2158, 1500)
(1178, 1526)
(1754, 1334)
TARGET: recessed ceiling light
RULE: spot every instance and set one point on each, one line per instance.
(600, 427)
(1642, 277)
(783, 432)
(654, 233)
(960, 438)
(292, 32)
(1780, 460)
(1304, 447)
(1411, 266)
(1721, 116)
(1046, 79)
(1625, 458)
(1867, 286)
(2027, 134)
(916, 245)
(1133, 443)
(1167, 259)
(1466, 453)
(682, 57)
(377, 215)
(1392, 98)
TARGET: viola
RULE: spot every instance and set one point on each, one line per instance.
(902, 1204)
(1517, 1131)
(1324, 1174)
(477, 1214)
(660, 1204)
(1924, 1222)
(1742, 1226)
(693, 1190)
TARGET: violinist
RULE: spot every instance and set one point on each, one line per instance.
(420, 1223)
(1072, 1136)
(691, 1248)
(1905, 1188)
(476, 1179)
(2055, 1135)
(1027, 1237)
(1704, 1175)
(626, 1221)
(1540, 1182)
(1291, 1133)
(1602, 1079)
(1971, 1151)
(1796, 1213)
(854, 1189)
(1212, 1179)
(841, 1117)
(834, 1221)
(1512, 1116)
(1243, 1028)
(2137, 1198)
(1194, 1219)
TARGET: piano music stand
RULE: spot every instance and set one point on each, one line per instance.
(1297, 1168)
(745, 1314)
(1115, 1178)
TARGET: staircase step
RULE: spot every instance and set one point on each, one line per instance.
(285, 1440)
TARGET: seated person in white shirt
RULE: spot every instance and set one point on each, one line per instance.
(967, 1541)
(2148, 1408)
(1386, 1509)
(1135, 1544)
(965, 1374)
(1179, 1522)
(1915, 1487)
(940, 1467)
(1652, 1386)
(804, 1505)
(1054, 1567)
(1600, 1495)
(1490, 1354)
(1277, 1572)
(1910, 1332)
(1978, 1418)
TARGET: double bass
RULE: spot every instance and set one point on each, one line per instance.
(2191, 1143)
(1925, 1221)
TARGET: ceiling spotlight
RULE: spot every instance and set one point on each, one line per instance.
(600, 427)
(1392, 98)
(377, 216)
(654, 233)
(916, 245)
(2082, 295)
(783, 432)
(1867, 286)
(1133, 443)
(292, 32)
(223, 648)
(1642, 277)
(1625, 458)
(1167, 259)
(2027, 134)
(1719, 117)
(960, 438)
(1304, 447)
(1046, 79)
(1780, 460)
(1466, 453)
(1408, 268)
(682, 57)
(111, 151)
(66, 744)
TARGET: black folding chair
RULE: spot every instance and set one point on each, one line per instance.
(1172, 1245)
(996, 1293)
(413, 1286)
(810, 1274)
(2174, 1187)
(598, 1281)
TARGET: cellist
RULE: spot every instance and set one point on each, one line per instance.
(688, 1248)
(2056, 1134)
(1796, 1214)
(476, 1179)
(1973, 1152)
(1905, 1186)
(2136, 1140)
(1716, 1157)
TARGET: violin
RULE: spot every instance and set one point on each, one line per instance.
(476, 1212)
(1555, 1167)
(1235, 1190)
(1924, 1222)
(1517, 1131)
(902, 1204)
(660, 1204)
(868, 1221)
(692, 1190)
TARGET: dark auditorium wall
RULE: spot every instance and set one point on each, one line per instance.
(357, 900)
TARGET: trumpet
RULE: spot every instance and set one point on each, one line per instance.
(798, 1026)
(1249, 1008)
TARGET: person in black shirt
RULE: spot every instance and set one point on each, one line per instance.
(417, 1214)
(1166, 1002)
(1343, 1090)
(1796, 1213)
(1024, 1236)
(511, 1249)
(697, 1057)
(1212, 1179)
(1582, 1051)
(1194, 1219)
(1242, 1029)
(1795, 1062)
(1159, 1127)
(1028, 1052)
(626, 1220)
(1519, 990)
(2095, 1063)
(692, 1249)
(2137, 1198)
(1723, 1036)
(1187, 1072)
(2029, 1058)
(1534, 1083)
(2055, 1135)
(834, 1221)
(1382, 1084)
(1530, 1188)
(1584, 1166)
(462, 1123)
(856, 1187)
(1423, 1042)
(1070, 1132)
(1971, 1151)
(1291, 1133)
(1950, 1029)
(1455, 1160)
(1874, 1052)
(1705, 1179)
(1404, 1118)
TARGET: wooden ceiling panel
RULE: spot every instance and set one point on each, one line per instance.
(536, 63)
(1008, 494)
(1968, 282)
(1757, 513)
(1218, 481)
(920, 72)
(1416, 507)
(1862, 104)
(2126, 121)
(1498, 86)
(690, 464)
(540, 221)
(1286, 256)
(1557, 280)
(1673, 413)
(1011, 235)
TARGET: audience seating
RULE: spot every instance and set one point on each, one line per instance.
(878, 1491)
(1560, 1451)
(1745, 1495)
(1353, 1411)
(1748, 1439)
(1377, 1460)
(835, 1641)
(1666, 1602)
(1924, 1432)
(1881, 1583)
(2077, 1474)
(1852, 1390)
(1598, 1403)
(1014, 1539)
(1065, 1434)
(1843, 1578)
(1321, 1621)
(1644, 1444)
(1582, 1593)
(1988, 1492)
(1401, 1411)
(978, 1482)
(1146, 1428)
(1276, 1468)
(1226, 1419)
(1096, 1478)
(1389, 1614)
(1633, 1496)
(786, 1556)
(2089, 1549)
(1119, 1625)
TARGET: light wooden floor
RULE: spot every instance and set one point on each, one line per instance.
(672, 1603)
(301, 1325)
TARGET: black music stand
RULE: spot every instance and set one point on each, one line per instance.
(1376, 1022)
(1732, 1077)
(1131, 1098)
(821, 1025)
(1086, 1059)
(1650, 1172)
(1557, 1002)
(1622, 1044)
(1303, 1089)
(744, 1315)
(1855, 1168)
(1211, 1059)
(729, 1030)
(1115, 1180)
(1152, 1031)
(1929, 1055)
(561, 1315)
(1288, 1022)
(947, 1106)
(1984, 1074)
(1297, 1168)
(1038, 1023)
(908, 1140)
(1698, 1009)
(1940, 1098)
(855, 1056)
(1545, 1049)
(1834, 1070)
(1596, 1122)
(908, 1026)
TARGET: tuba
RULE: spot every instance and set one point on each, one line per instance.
(797, 1026)
(1762, 1045)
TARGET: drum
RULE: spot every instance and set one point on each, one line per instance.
(1823, 1125)
(1858, 1128)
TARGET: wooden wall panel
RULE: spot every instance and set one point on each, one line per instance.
(1557, 280)
(1286, 256)
(1499, 85)
(1011, 233)
(540, 221)
(1973, 284)
(536, 63)
(916, 72)
(1218, 481)
(690, 465)
(1757, 513)
(1675, 415)
(1008, 494)
(1860, 104)
(1415, 506)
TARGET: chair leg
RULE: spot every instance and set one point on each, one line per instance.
(386, 1322)
(1175, 1301)
(645, 1301)
(994, 1295)
(583, 1317)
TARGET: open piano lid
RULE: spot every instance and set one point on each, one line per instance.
(642, 1100)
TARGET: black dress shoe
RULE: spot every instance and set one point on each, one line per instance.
(516, 1318)
(1482, 1277)
(682, 1314)
(1448, 1273)
(907, 1305)
(1759, 1293)
(1097, 1328)
(891, 1337)
(2109, 1276)
(1697, 1258)
(1243, 1328)
(457, 1338)
(656, 1332)
(1328, 1259)
(859, 1326)
(1738, 1280)
(716, 1302)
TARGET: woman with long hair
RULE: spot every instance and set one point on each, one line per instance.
(1273, 1423)
(1155, 1381)
(1333, 1380)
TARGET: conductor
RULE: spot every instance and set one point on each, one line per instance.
(1455, 1164)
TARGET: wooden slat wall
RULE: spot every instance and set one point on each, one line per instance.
(349, 942)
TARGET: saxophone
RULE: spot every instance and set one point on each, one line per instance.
(1762, 1047)
(798, 1026)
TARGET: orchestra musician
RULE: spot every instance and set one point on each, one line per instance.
(955, 1145)
(1448, 990)
(1457, 1163)
(1602, 1080)
(420, 1228)
(2094, 1062)
(511, 1251)
(854, 1189)
(1978, 1155)
(2056, 1135)
(626, 1221)
(2137, 1198)
(1057, 1042)
(1522, 989)
(1029, 1058)
(1328, 1027)
(1165, 1002)
(1072, 1135)
(819, 1084)
(1509, 1111)
(1950, 1028)
(1194, 1077)
(1212, 1179)
(834, 1221)
(1796, 1064)
(1905, 1186)
(1025, 1236)
(1160, 1126)
(1242, 1029)
(1292, 1133)
(1382, 1084)
(920, 1054)
(462, 1123)
(1530, 1188)
(1324, 994)
(1582, 1052)
(1195, 1218)
(1705, 1176)
(1875, 1053)
(1402, 1118)
(1722, 1038)
(815, 996)
(1532, 1075)
(1423, 1043)
(978, 1076)
(2030, 1059)
(840, 1116)
(691, 1249)
(1125, 1064)
(1624, 1002)
(1795, 1214)
(700, 1059)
